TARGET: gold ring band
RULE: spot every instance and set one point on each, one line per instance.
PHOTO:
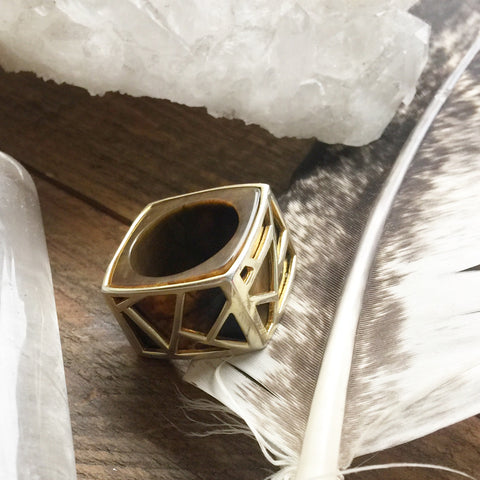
(203, 274)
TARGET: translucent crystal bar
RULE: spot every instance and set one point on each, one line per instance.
(35, 432)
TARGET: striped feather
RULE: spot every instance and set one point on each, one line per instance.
(415, 359)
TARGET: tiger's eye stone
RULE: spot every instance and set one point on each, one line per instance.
(184, 239)
(159, 310)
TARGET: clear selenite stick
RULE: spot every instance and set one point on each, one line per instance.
(35, 431)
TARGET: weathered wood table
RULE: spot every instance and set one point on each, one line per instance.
(96, 162)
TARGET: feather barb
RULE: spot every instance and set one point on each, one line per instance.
(321, 444)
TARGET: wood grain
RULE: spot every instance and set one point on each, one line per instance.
(122, 152)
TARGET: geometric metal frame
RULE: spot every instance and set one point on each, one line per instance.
(228, 304)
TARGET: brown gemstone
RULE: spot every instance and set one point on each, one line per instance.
(201, 309)
(159, 312)
(184, 239)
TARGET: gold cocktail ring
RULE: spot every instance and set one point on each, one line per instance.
(203, 274)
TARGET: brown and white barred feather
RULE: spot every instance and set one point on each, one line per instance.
(416, 362)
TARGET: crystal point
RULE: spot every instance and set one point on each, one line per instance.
(35, 433)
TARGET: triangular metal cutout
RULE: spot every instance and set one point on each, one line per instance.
(246, 273)
(201, 309)
(159, 312)
(231, 330)
(146, 342)
(266, 312)
(263, 282)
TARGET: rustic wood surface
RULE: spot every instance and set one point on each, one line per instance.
(96, 162)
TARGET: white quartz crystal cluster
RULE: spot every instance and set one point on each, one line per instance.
(333, 69)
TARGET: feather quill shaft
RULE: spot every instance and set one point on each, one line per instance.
(321, 444)
(415, 366)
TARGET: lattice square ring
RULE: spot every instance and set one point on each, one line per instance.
(203, 274)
